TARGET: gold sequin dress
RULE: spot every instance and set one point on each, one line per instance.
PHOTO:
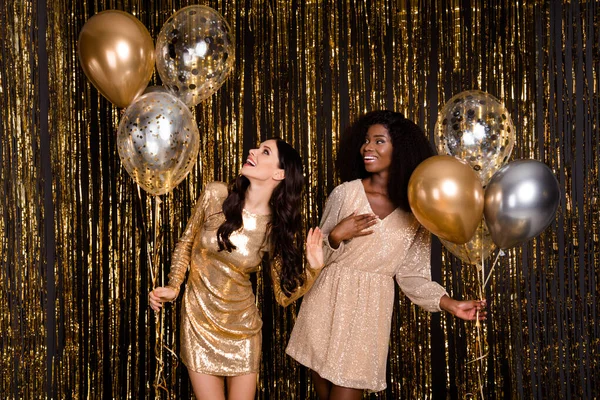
(220, 328)
(343, 327)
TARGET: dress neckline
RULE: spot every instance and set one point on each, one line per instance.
(364, 192)
(250, 213)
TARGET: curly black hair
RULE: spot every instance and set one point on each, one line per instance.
(285, 230)
(410, 148)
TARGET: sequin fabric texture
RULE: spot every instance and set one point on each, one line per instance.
(220, 326)
(343, 328)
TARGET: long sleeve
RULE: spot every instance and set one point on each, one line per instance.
(331, 217)
(180, 260)
(414, 276)
(310, 277)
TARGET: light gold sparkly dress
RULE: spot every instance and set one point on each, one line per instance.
(343, 327)
(220, 328)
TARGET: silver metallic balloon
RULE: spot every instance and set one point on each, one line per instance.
(475, 127)
(158, 141)
(475, 250)
(195, 53)
(520, 202)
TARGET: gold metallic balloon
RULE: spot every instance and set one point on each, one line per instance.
(446, 197)
(475, 127)
(158, 141)
(475, 250)
(116, 53)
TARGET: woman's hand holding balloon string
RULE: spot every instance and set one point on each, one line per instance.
(161, 295)
(468, 310)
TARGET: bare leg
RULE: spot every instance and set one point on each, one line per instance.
(242, 387)
(322, 386)
(344, 393)
(207, 387)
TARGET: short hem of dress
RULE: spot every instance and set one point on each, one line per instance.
(330, 378)
(218, 373)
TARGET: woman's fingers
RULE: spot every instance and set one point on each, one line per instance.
(481, 304)
(365, 217)
(477, 309)
(314, 237)
(317, 237)
(370, 223)
(155, 302)
(160, 295)
(364, 221)
(314, 248)
(309, 237)
(352, 226)
(153, 297)
(156, 306)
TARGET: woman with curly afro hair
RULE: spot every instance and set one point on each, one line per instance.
(370, 237)
(230, 231)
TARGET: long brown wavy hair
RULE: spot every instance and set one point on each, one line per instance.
(285, 230)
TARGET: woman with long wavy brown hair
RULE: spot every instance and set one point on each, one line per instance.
(230, 231)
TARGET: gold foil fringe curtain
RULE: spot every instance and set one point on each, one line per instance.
(74, 318)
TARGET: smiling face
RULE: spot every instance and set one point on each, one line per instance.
(262, 164)
(377, 149)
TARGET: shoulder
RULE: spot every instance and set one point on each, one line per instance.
(213, 196)
(216, 189)
(346, 188)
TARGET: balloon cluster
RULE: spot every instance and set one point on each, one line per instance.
(471, 198)
(158, 139)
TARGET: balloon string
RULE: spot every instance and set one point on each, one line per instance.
(152, 247)
(148, 244)
(478, 325)
(482, 277)
(157, 203)
(482, 357)
(500, 253)
(480, 341)
(160, 382)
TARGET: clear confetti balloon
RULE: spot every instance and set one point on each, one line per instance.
(158, 141)
(475, 250)
(195, 53)
(475, 127)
